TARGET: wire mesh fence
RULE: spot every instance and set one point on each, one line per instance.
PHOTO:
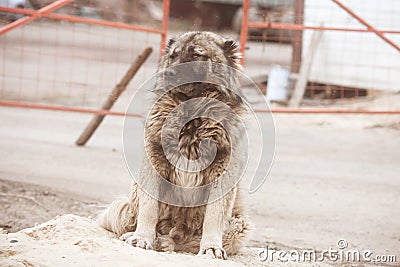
(72, 53)
(77, 54)
(356, 55)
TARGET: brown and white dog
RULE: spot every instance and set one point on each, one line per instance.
(218, 228)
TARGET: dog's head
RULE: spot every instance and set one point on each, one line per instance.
(200, 57)
(202, 46)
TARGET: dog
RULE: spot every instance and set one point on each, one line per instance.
(215, 227)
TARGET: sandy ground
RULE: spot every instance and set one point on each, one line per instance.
(76, 241)
(334, 177)
(24, 205)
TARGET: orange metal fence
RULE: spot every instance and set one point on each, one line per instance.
(357, 56)
(68, 55)
(60, 58)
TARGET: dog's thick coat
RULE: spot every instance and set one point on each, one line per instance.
(218, 228)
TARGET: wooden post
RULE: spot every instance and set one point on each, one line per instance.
(116, 92)
(297, 37)
(305, 68)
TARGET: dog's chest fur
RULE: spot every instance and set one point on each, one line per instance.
(216, 125)
(187, 220)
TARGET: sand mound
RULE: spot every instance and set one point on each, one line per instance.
(76, 241)
(72, 240)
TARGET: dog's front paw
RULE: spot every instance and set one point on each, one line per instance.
(137, 240)
(214, 252)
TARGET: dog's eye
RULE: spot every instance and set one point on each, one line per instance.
(173, 56)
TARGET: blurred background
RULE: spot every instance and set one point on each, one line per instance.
(96, 40)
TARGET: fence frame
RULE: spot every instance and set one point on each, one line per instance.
(299, 25)
(46, 12)
(298, 28)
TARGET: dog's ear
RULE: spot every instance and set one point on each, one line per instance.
(232, 53)
(231, 47)
(169, 44)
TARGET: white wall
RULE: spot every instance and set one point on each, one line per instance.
(360, 60)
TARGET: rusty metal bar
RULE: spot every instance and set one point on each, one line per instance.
(244, 29)
(366, 24)
(15, 104)
(166, 8)
(333, 111)
(26, 20)
(82, 20)
(304, 27)
(148, 29)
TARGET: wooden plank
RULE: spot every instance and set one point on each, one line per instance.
(118, 89)
(305, 68)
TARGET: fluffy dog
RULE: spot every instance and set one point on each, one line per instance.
(217, 228)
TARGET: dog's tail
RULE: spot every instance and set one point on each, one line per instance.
(120, 216)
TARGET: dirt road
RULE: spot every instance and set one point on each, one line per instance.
(333, 177)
